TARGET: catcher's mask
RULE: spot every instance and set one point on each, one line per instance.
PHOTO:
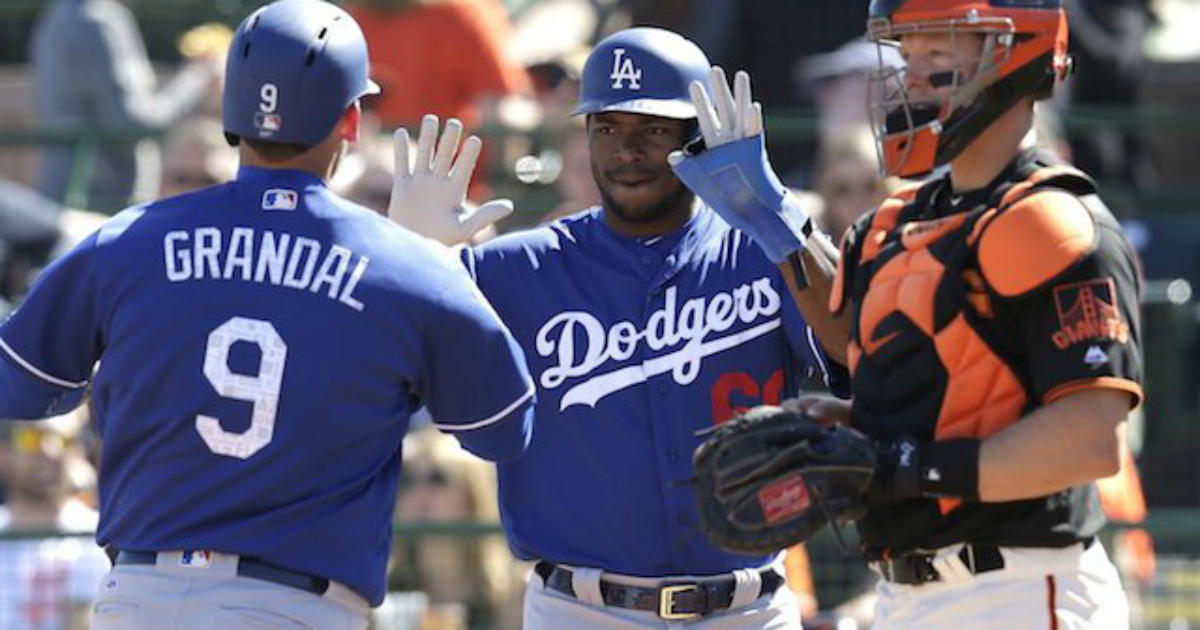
(1023, 53)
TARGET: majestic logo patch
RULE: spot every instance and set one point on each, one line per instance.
(280, 199)
(624, 70)
(1088, 310)
(1095, 357)
(784, 499)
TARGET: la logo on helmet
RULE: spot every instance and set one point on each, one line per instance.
(624, 70)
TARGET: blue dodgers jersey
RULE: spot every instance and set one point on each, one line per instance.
(261, 345)
(635, 347)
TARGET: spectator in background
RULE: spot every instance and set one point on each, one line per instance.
(28, 233)
(91, 72)
(33, 230)
(195, 156)
(370, 168)
(575, 184)
(445, 57)
(48, 583)
(848, 180)
(1124, 504)
(838, 84)
(767, 38)
(472, 580)
(450, 58)
(1106, 42)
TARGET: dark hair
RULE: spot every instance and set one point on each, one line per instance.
(270, 151)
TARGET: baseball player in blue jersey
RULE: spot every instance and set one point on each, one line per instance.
(644, 321)
(261, 345)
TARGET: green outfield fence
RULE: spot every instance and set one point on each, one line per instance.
(1170, 602)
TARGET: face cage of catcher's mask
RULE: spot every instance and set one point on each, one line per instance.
(888, 97)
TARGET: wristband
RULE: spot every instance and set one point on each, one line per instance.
(737, 181)
(950, 469)
(909, 469)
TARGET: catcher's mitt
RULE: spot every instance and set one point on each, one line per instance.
(770, 478)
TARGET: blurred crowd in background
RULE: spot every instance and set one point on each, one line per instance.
(108, 103)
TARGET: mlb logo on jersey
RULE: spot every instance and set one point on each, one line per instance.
(280, 199)
(624, 70)
(268, 124)
(195, 559)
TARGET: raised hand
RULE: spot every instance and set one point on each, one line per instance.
(735, 115)
(429, 191)
(731, 172)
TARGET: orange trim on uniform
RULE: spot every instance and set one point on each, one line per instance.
(907, 284)
(853, 354)
(1103, 382)
(977, 295)
(1035, 240)
(884, 221)
(1019, 190)
(1057, 170)
(982, 394)
(984, 220)
(1051, 604)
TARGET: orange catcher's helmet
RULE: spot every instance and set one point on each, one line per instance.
(1024, 54)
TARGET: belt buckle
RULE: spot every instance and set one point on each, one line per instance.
(666, 602)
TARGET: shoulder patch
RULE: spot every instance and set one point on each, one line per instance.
(1035, 240)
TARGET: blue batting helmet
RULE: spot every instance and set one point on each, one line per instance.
(642, 71)
(294, 68)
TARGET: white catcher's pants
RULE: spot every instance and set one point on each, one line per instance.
(1038, 589)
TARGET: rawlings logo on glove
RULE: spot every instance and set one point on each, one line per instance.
(771, 478)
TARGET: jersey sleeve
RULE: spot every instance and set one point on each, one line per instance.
(477, 385)
(803, 344)
(50, 344)
(1078, 314)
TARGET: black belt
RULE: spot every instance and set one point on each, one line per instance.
(671, 601)
(248, 568)
(917, 568)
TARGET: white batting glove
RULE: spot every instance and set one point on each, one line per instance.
(429, 192)
(735, 117)
(754, 201)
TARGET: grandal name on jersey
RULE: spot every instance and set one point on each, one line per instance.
(265, 257)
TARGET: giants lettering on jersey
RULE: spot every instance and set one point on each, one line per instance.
(268, 258)
(756, 304)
